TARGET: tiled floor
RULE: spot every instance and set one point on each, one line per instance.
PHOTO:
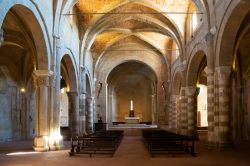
(131, 152)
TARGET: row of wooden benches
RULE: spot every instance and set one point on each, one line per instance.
(164, 142)
(105, 142)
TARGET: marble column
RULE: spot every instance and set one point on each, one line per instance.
(183, 111)
(74, 118)
(192, 93)
(89, 115)
(210, 110)
(1, 37)
(41, 78)
(222, 115)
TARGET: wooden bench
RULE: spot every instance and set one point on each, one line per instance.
(164, 142)
(97, 143)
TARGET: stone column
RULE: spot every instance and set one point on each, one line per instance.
(56, 104)
(89, 115)
(74, 118)
(173, 115)
(1, 37)
(82, 101)
(192, 93)
(210, 110)
(222, 115)
(52, 101)
(183, 111)
(41, 78)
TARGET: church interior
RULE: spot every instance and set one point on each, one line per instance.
(163, 78)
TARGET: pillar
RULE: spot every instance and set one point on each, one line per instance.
(74, 114)
(82, 101)
(41, 78)
(173, 115)
(56, 94)
(183, 111)
(89, 115)
(223, 106)
(210, 111)
(192, 93)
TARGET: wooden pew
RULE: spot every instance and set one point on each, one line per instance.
(163, 142)
(97, 143)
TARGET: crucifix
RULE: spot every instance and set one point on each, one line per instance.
(131, 111)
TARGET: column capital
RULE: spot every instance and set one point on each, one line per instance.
(1, 37)
(43, 77)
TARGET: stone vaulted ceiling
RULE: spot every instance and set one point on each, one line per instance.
(159, 24)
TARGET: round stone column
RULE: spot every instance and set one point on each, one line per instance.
(183, 112)
(223, 106)
(192, 93)
(210, 110)
(89, 115)
(74, 113)
(41, 78)
(173, 115)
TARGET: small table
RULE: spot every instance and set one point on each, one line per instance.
(132, 120)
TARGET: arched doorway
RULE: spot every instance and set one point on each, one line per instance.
(131, 87)
(23, 62)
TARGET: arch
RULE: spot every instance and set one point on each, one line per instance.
(227, 34)
(193, 68)
(71, 73)
(36, 26)
(141, 38)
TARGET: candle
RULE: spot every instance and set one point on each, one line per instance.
(131, 105)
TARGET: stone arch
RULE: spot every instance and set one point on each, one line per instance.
(35, 25)
(36, 46)
(72, 76)
(228, 30)
(194, 66)
(131, 80)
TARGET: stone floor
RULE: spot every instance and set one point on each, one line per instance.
(131, 152)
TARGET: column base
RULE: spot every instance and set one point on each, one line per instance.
(41, 144)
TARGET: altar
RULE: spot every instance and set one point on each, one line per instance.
(132, 120)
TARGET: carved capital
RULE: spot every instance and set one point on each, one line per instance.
(43, 77)
(1, 37)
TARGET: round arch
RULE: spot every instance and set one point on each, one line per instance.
(228, 31)
(36, 26)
